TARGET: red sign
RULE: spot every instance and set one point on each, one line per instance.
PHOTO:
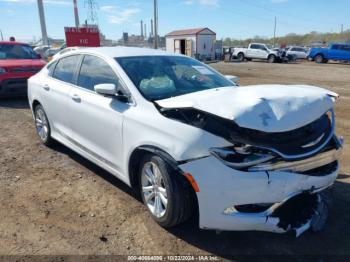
(82, 36)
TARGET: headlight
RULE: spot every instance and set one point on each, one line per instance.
(240, 157)
(2, 71)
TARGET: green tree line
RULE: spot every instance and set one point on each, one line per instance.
(312, 38)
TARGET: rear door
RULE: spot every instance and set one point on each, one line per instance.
(96, 121)
(252, 51)
(345, 52)
(56, 89)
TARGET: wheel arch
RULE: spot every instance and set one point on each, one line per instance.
(138, 153)
(321, 54)
(35, 103)
(133, 169)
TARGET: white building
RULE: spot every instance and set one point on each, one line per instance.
(197, 42)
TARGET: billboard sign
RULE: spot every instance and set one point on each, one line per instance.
(82, 36)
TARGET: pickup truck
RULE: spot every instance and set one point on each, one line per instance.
(256, 51)
(340, 52)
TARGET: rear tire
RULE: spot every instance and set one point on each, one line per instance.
(319, 59)
(165, 193)
(240, 57)
(43, 126)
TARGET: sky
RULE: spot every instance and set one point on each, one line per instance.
(238, 19)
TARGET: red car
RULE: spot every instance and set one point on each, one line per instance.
(18, 62)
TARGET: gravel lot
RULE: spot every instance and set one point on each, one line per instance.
(53, 202)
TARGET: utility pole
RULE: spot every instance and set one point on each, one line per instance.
(76, 15)
(274, 32)
(155, 43)
(342, 28)
(42, 22)
(2, 37)
(141, 28)
(151, 27)
(145, 30)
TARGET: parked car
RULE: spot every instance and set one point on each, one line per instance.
(18, 62)
(299, 52)
(63, 51)
(188, 138)
(340, 52)
(54, 50)
(256, 51)
(41, 50)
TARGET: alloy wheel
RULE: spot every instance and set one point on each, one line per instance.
(154, 189)
(42, 125)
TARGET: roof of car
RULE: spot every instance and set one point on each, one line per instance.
(121, 51)
(11, 43)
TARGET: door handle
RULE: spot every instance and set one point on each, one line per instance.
(46, 87)
(76, 98)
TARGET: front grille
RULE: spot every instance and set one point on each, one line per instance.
(298, 141)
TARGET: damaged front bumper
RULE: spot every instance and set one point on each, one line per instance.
(282, 196)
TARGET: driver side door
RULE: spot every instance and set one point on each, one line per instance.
(96, 121)
(262, 52)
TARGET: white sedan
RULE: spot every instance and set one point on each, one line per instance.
(189, 139)
(299, 52)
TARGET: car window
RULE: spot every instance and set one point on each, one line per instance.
(345, 48)
(254, 47)
(94, 71)
(65, 69)
(51, 68)
(160, 77)
(17, 51)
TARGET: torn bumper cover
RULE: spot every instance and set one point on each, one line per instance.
(272, 195)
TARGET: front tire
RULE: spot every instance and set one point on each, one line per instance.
(271, 58)
(42, 126)
(164, 192)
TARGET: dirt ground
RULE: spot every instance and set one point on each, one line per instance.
(53, 202)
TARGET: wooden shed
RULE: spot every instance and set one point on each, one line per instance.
(198, 42)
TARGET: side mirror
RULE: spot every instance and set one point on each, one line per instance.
(39, 56)
(233, 79)
(106, 89)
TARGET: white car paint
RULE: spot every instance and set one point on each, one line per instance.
(299, 52)
(282, 108)
(107, 130)
(64, 51)
(272, 187)
(255, 51)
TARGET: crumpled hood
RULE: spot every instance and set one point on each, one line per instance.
(267, 108)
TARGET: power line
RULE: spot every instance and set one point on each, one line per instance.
(92, 11)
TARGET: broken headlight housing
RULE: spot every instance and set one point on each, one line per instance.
(241, 157)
